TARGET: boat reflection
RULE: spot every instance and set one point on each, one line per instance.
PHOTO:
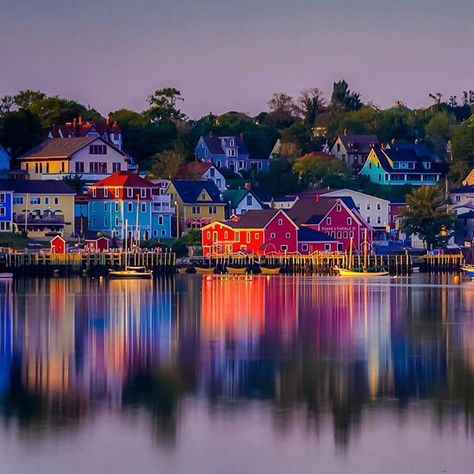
(71, 348)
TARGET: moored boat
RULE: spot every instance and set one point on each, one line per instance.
(236, 270)
(131, 273)
(363, 273)
(269, 270)
(468, 270)
(204, 270)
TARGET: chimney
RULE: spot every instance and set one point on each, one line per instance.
(107, 121)
(74, 122)
(80, 120)
(345, 132)
(248, 186)
(317, 197)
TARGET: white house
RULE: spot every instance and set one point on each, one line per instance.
(203, 171)
(91, 157)
(241, 200)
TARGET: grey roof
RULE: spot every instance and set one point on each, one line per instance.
(359, 143)
(214, 144)
(189, 190)
(257, 218)
(38, 186)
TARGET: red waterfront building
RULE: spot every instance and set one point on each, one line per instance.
(337, 217)
(257, 231)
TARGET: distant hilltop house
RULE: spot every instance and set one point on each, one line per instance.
(353, 150)
(5, 160)
(105, 129)
(228, 152)
(402, 163)
(203, 170)
(91, 157)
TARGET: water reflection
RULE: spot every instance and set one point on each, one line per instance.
(72, 349)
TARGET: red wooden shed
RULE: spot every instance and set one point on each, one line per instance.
(58, 245)
(101, 244)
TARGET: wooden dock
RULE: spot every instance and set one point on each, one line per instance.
(94, 264)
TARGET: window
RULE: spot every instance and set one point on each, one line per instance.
(116, 166)
(94, 192)
(143, 206)
(349, 221)
(288, 235)
(339, 234)
(105, 206)
(160, 220)
(93, 207)
(142, 192)
(458, 198)
(280, 221)
(196, 210)
(328, 221)
(163, 232)
(116, 206)
(46, 200)
(208, 234)
(18, 200)
(338, 147)
(272, 235)
(212, 209)
(106, 222)
(226, 235)
(368, 219)
(212, 172)
(345, 234)
(249, 199)
(116, 221)
(339, 208)
(283, 248)
(130, 207)
(249, 237)
(35, 200)
(351, 234)
(327, 247)
(304, 247)
(379, 220)
(257, 236)
(97, 149)
(106, 192)
(379, 207)
(368, 206)
(79, 167)
(98, 167)
(237, 236)
(3, 211)
(129, 192)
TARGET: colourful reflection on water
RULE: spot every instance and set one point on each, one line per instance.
(320, 356)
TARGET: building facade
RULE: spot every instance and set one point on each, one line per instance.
(401, 164)
(197, 203)
(240, 201)
(353, 150)
(6, 206)
(126, 205)
(92, 158)
(203, 171)
(43, 208)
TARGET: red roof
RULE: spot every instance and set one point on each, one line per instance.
(78, 128)
(124, 179)
(194, 170)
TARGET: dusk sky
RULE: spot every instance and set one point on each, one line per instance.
(232, 55)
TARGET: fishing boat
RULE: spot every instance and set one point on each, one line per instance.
(204, 270)
(468, 270)
(364, 271)
(131, 272)
(236, 270)
(269, 270)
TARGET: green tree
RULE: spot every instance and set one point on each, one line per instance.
(19, 131)
(164, 105)
(343, 96)
(426, 216)
(310, 103)
(462, 146)
(314, 169)
(76, 182)
(167, 164)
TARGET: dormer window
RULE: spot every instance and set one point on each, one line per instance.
(222, 142)
(232, 142)
(142, 192)
(427, 165)
(339, 208)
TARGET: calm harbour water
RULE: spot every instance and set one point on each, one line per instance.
(268, 375)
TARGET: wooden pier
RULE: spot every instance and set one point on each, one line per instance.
(319, 263)
(94, 264)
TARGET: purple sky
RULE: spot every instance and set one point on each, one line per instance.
(232, 55)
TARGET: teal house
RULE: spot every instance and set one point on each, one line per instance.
(124, 204)
(402, 163)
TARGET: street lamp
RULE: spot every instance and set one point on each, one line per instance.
(177, 219)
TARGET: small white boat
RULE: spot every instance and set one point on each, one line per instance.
(352, 273)
(131, 273)
(6, 275)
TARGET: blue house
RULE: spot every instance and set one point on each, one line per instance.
(4, 163)
(402, 163)
(125, 202)
(224, 152)
(6, 206)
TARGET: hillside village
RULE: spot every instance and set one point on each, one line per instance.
(308, 176)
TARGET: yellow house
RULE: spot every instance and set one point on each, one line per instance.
(197, 203)
(43, 208)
